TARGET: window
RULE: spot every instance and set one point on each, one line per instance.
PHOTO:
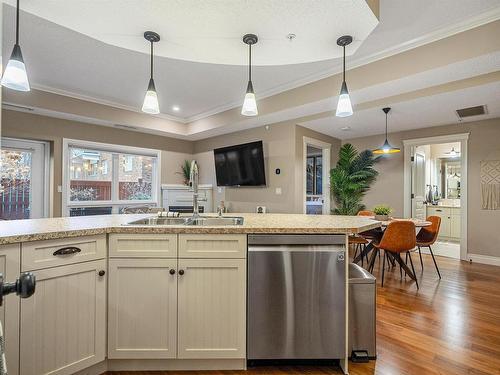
(102, 178)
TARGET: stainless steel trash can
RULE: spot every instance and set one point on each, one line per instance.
(362, 311)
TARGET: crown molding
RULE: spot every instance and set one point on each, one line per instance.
(108, 103)
(459, 27)
(479, 20)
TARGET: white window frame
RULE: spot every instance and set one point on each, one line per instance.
(42, 194)
(115, 203)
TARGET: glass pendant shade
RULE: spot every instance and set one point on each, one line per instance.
(249, 107)
(150, 104)
(15, 76)
(344, 106)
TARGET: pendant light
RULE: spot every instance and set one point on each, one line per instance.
(15, 76)
(386, 147)
(249, 107)
(344, 106)
(150, 104)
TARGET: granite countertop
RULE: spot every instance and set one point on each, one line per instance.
(44, 229)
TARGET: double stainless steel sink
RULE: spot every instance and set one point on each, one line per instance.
(198, 221)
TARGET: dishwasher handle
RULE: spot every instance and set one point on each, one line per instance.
(296, 239)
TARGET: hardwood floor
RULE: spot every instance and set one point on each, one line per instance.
(448, 326)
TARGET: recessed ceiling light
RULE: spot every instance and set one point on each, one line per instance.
(176, 108)
(345, 128)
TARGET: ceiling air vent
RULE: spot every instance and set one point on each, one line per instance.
(471, 111)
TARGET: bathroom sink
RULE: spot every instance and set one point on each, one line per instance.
(215, 221)
(160, 221)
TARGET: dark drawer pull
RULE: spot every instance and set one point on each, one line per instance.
(67, 251)
(439, 210)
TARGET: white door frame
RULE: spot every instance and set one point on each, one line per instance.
(326, 150)
(463, 138)
(43, 147)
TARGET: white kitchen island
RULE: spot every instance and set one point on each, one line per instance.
(137, 297)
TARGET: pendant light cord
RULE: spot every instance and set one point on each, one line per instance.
(17, 23)
(343, 71)
(250, 62)
(386, 126)
(151, 59)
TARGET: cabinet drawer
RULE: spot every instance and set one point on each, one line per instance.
(50, 253)
(143, 245)
(438, 211)
(212, 246)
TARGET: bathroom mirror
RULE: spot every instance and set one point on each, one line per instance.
(450, 178)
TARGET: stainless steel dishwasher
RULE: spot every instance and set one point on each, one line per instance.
(296, 297)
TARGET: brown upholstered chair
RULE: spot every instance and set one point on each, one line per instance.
(399, 237)
(427, 236)
(366, 213)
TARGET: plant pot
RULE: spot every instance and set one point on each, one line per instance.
(382, 217)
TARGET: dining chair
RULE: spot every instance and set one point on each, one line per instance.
(427, 236)
(360, 241)
(399, 237)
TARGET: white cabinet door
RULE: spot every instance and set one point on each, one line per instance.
(212, 308)
(10, 267)
(142, 313)
(455, 225)
(63, 325)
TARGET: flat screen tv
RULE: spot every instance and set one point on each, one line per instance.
(240, 165)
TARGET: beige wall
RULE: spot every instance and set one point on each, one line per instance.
(483, 231)
(31, 126)
(282, 149)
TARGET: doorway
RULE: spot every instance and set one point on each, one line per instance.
(435, 185)
(316, 169)
(24, 182)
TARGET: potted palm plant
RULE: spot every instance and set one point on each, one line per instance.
(382, 212)
(185, 171)
(351, 179)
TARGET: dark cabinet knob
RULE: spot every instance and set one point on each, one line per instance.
(181, 272)
(172, 271)
(24, 287)
(102, 273)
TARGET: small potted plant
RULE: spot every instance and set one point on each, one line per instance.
(382, 212)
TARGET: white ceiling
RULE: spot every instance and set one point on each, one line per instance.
(62, 60)
(423, 112)
(211, 31)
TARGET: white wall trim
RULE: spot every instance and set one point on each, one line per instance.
(109, 103)
(409, 145)
(326, 150)
(436, 139)
(484, 259)
(110, 148)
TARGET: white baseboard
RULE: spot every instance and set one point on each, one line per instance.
(484, 259)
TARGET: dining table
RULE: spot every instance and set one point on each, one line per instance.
(377, 235)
